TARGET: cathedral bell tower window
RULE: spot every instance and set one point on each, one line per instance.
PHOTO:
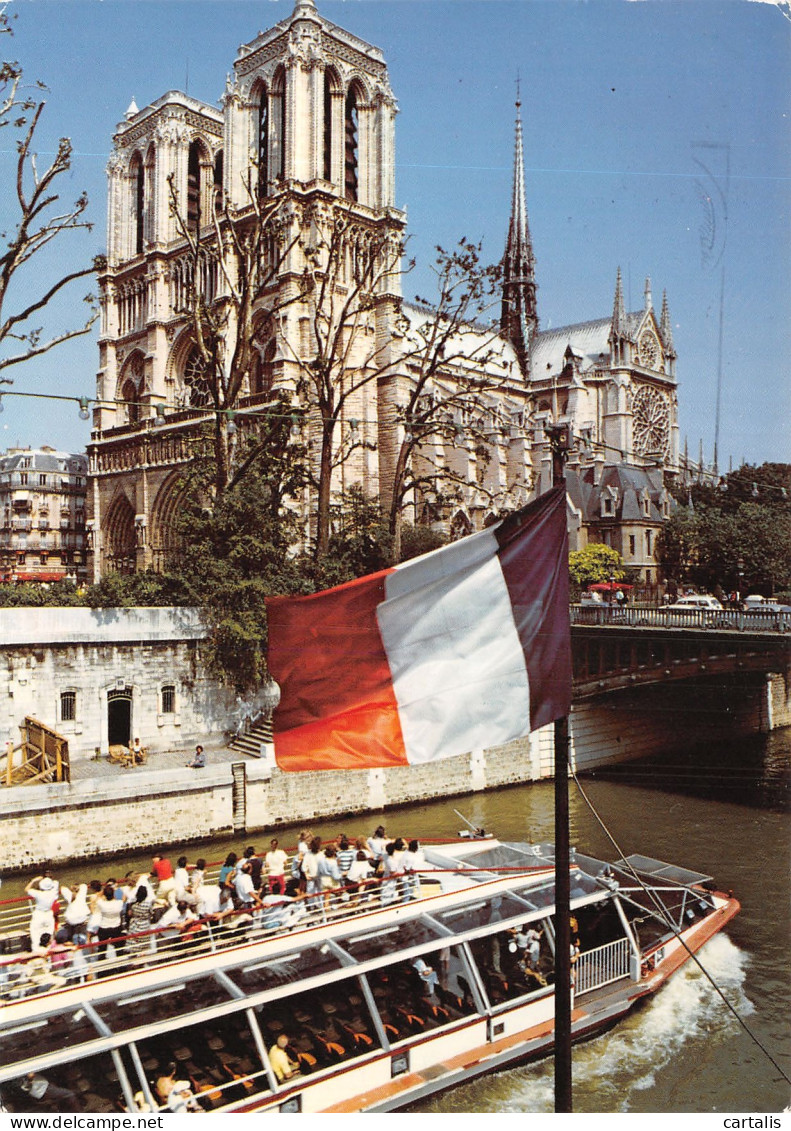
(193, 188)
(138, 191)
(327, 170)
(350, 151)
(263, 143)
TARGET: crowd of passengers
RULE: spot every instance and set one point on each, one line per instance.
(73, 929)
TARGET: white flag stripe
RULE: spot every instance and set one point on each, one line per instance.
(446, 692)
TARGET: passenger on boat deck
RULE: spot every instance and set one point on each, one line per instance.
(43, 892)
(360, 871)
(256, 865)
(176, 920)
(346, 855)
(276, 860)
(283, 1066)
(310, 866)
(413, 861)
(329, 873)
(181, 1098)
(246, 895)
(228, 868)
(41, 1090)
(533, 947)
(163, 1085)
(76, 916)
(391, 867)
(211, 899)
(163, 870)
(109, 911)
(428, 976)
(198, 875)
(378, 843)
(181, 875)
(139, 920)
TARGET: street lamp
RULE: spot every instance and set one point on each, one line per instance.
(740, 569)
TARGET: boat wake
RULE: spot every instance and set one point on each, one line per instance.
(684, 1016)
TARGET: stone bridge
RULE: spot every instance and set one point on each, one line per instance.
(644, 685)
(611, 656)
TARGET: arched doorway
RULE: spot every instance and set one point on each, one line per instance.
(119, 716)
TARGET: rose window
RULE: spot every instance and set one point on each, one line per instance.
(650, 422)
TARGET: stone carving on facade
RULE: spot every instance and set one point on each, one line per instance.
(304, 48)
(262, 56)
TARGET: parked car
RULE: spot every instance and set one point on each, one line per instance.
(591, 598)
(696, 601)
(686, 611)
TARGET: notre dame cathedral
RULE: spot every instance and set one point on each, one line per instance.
(310, 109)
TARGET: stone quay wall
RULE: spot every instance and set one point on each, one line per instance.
(46, 651)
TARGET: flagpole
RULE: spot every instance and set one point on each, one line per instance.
(560, 442)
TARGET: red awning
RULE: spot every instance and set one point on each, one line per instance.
(39, 576)
(609, 586)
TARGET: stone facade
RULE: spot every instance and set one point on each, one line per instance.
(105, 676)
(307, 124)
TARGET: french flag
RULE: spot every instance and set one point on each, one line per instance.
(467, 647)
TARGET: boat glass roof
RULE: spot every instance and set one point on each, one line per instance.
(662, 871)
(280, 970)
(152, 1004)
(384, 941)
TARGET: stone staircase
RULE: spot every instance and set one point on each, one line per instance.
(249, 743)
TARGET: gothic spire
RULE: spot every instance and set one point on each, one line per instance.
(519, 317)
(618, 308)
(665, 325)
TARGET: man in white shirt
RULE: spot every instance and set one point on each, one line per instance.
(43, 892)
(276, 860)
(246, 894)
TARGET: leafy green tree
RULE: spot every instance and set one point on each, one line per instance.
(595, 563)
(736, 535)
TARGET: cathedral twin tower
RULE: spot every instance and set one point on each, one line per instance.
(307, 125)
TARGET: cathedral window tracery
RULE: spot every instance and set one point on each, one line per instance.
(351, 138)
(262, 148)
(137, 176)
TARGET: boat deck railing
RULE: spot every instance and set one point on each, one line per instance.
(602, 965)
(25, 974)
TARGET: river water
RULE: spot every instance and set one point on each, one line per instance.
(723, 811)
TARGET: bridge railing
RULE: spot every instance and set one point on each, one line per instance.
(660, 616)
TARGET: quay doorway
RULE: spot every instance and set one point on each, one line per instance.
(119, 716)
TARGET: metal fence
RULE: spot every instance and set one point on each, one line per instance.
(638, 616)
(599, 967)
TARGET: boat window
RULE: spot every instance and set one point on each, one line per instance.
(280, 970)
(414, 996)
(93, 1080)
(481, 914)
(514, 963)
(387, 940)
(219, 1057)
(147, 1006)
(324, 1027)
(41, 1035)
(541, 896)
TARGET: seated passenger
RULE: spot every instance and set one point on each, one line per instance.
(283, 1066)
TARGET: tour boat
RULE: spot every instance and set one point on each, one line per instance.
(381, 997)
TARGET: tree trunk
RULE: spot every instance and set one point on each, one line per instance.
(325, 490)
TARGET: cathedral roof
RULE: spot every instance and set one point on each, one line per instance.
(475, 342)
(589, 341)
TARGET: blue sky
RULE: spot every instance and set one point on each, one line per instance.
(619, 98)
